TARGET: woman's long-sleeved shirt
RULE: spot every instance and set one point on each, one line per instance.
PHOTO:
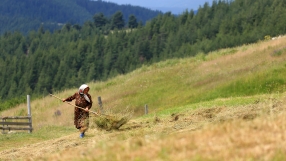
(80, 100)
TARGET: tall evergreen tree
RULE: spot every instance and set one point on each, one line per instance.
(132, 22)
(99, 20)
(117, 21)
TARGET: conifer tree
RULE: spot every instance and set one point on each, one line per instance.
(132, 22)
(117, 21)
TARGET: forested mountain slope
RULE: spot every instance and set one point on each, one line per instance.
(28, 15)
(43, 62)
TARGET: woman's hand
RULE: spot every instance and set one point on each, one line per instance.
(86, 109)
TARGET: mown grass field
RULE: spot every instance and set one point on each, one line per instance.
(224, 105)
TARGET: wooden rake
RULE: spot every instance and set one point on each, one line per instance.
(100, 115)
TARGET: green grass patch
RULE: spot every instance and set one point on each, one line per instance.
(279, 156)
(279, 52)
(7, 104)
(228, 102)
(268, 82)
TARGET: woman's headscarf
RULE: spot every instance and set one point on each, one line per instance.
(80, 91)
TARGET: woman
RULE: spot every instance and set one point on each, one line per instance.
(83, 100)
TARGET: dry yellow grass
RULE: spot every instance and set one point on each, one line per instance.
(253, 132)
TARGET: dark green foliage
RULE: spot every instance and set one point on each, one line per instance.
(99, 20)
(27, 15)
(132, 22)
(44, 62)
(117, 21)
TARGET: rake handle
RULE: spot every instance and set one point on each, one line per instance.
(75, 105)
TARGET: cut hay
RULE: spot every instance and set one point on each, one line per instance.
(111, 121)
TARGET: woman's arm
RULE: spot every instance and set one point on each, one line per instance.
(69, 99)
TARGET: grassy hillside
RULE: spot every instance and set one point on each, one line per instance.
(227, 105)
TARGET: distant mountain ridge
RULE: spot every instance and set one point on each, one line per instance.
(28, 15)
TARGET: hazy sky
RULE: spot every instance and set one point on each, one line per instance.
(175, 6)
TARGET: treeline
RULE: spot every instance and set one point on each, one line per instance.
(43, 62)
(27, 15)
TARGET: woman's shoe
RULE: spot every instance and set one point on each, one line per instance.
(81, 135)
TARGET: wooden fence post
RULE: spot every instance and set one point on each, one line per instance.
(146, 109)
(100, 104)
(3, 125)
(28, 105)
(29, 112)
